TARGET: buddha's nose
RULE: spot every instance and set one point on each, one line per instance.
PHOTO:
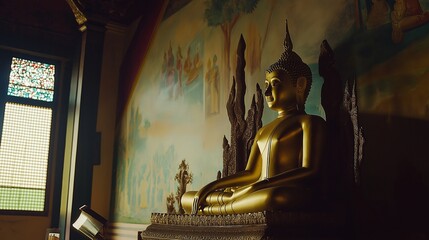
(268, 90)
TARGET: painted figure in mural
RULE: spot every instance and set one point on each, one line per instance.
(179, 67)
(170, 73)
(192, 65)
(406, 15)
(188, 63)
(212, 80)
(215, 86)
(379, 14)
(284, 169)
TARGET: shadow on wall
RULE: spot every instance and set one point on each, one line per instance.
(394, 178)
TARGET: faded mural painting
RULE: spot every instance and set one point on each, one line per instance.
(176, 111)
(391, 50)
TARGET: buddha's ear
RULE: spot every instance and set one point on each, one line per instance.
(301, 85)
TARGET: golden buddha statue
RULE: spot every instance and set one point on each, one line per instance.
(284, 169)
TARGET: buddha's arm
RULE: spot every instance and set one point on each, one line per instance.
(250, 175)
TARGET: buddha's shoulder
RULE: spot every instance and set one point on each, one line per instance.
(311, 119)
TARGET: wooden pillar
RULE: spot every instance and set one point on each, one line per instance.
(81, 138)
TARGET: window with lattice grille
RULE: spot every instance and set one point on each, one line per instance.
(26, 135)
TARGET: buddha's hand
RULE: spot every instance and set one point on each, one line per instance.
(261, 184)
(195, 206)
(199, 199)
(239, 192)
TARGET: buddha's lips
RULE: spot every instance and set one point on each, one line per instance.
(269, 99)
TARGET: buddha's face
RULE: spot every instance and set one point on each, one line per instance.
(280, 91)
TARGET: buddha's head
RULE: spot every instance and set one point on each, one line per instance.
(287, 81)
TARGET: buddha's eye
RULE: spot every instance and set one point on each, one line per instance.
(275, 82)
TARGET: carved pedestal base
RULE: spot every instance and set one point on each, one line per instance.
(261, 225)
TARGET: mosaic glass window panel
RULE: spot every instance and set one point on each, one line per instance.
(24, 153)
(30, 79)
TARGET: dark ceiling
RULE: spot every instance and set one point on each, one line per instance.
(57, 16)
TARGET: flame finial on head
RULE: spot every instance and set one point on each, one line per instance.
(287, 43)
